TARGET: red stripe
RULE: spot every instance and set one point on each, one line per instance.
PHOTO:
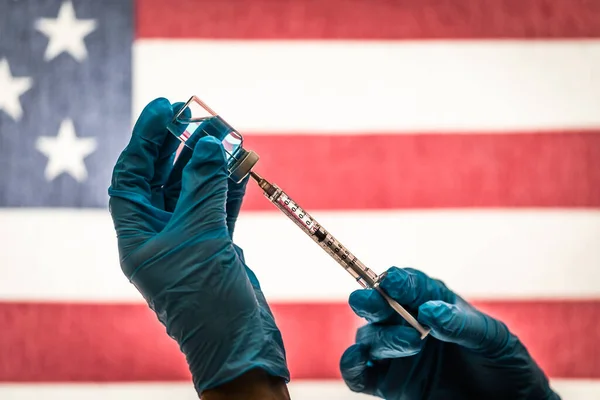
(102, 343)
(430, 171)
(368, 19)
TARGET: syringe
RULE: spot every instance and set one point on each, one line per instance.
(363, 275)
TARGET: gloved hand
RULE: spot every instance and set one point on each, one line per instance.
(174, 226)
(468, 354)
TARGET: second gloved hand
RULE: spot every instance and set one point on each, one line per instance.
(468, 354)
(174, 226)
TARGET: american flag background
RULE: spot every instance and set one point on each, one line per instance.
(458, 137)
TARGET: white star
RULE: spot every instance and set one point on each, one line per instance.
(66, 33)
(66, 152)
(10, 91)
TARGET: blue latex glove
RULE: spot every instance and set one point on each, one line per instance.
(175, 227)
(468, 354)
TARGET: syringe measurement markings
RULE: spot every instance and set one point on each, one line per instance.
(297, 215)
(324, 239)
(296, 211)
(364, 276)
(348, 260)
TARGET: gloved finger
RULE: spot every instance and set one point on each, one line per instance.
(411, 287)
(172, 189)
(369, 304)
(172, 185)
(251, 275)
(253, 280)
(235, 198)
(354, 366)
(389, 341)
(134, 223)
(260, 296)
(464, 326)
(166, 154)
(201, 206)
(270, 328)
(135, 167)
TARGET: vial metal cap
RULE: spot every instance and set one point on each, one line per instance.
(245, 160)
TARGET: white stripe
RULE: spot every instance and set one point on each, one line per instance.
(72, 255)
(568, 389)
(346, 86)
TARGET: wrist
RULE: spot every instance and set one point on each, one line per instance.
(255, 384)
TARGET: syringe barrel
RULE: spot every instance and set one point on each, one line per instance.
(363, 275)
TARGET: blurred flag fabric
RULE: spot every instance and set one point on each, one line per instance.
(458, 137)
